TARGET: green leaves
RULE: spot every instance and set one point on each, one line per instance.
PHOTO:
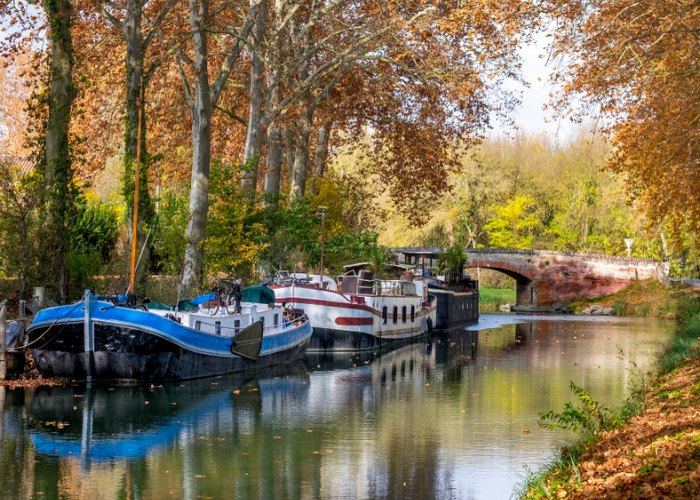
(452, 259)
(588, 417)
(94, 228)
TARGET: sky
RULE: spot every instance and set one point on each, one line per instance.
(529, 116)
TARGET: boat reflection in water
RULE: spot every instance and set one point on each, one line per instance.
(343, 424)
(450, 346)
(100, 423)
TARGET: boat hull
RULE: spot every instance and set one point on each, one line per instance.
(137, 346)
(455, 308)
(324, 339)
(359, 322)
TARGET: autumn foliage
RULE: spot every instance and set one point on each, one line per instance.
(636, 64)
(654, 456)
(277, 92)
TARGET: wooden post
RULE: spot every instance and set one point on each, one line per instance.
(3, 326)
(89, 341)
(40, 296)
(22, 314)
(2, 412)
(321, 211)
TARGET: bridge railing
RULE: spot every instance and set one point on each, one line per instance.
(611, 258)
(435, 252)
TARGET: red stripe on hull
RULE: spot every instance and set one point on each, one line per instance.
(318, 302)
(354, 321)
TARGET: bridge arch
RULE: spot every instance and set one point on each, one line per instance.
(546, 278)
(525, 293)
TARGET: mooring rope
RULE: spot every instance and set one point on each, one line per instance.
(25, 346)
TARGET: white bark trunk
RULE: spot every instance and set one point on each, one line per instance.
(321, 154)
(301, 152)
(201, 151)
(255, 134)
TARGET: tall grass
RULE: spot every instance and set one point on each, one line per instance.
(683, 347)
(490, 299)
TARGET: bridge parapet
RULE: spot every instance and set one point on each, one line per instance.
(590, 256)
(547, 278)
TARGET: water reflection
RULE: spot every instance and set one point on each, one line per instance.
(455, 417)
(100, 423)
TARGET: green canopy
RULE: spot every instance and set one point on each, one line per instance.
(160, 306)
(187, 305)
(258, 293)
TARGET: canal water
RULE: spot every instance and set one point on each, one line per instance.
(454, 418)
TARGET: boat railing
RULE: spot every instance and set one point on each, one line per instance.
(369, 286)
(289, 281)
(216, 328)
(395, 287)
(297, 320)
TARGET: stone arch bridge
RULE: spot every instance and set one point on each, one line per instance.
(546, 278)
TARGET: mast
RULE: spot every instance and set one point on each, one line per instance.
(322, 213)
(137, 182)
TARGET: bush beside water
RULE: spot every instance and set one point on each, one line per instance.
(587, 418)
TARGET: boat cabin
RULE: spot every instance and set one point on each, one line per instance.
(286, 278)
(425, 263)
(358, 280)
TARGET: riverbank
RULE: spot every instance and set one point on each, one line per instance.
(649, 448)
(30, 377)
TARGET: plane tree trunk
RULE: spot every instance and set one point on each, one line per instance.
(58, 168)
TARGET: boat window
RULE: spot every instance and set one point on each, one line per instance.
(198, 325)
(384, 315)
(413, 313)
(277, 319)
(217, 327)
(396, 314)
(403, 314)
(236, 325)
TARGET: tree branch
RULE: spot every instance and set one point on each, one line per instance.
(227, 65)
(185, 81)
(111, 17)
(231, 114)
(155, 24)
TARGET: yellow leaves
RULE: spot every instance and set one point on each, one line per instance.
(57, 425)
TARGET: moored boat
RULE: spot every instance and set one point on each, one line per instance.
(457, 301)
(456, 292)
(357, 311)
(104, 339)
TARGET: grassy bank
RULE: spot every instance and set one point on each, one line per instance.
(648, 298)
(490, 299)
(650, 447)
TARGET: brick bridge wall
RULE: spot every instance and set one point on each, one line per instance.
(544, 278)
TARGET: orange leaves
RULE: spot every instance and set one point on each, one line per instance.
(654, 456)
(438, 89)
(637, 62)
